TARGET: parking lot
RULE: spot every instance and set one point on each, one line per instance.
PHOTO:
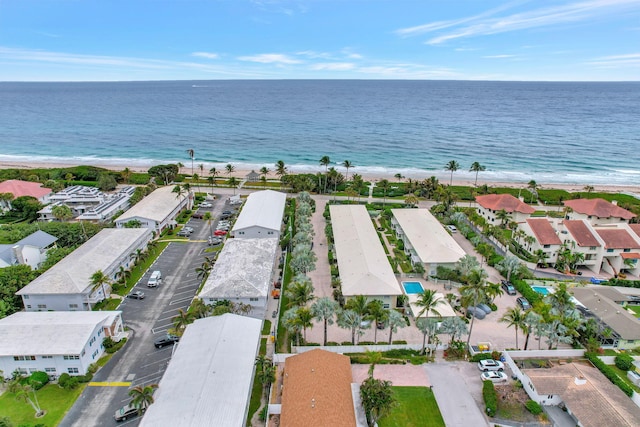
(139, 362)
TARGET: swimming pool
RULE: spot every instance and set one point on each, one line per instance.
(542, 290)
(412, 287)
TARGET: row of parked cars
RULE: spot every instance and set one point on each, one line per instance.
(480, 311)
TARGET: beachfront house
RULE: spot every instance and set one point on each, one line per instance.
(18, 188)
(362, 263)
(597, 211)
(490, 204)
(579, 236)
(88, 203)
(425, 240)
(67, 285)
(217, 355)
(620, 244)
(157, 211)
(545, 238)
(243, 273)
(261, 215)
(31, 251)
(56, 342)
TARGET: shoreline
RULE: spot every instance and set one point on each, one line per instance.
(367, 176)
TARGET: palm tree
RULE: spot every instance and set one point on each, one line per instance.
(179, 190)
(359, 304)
(142, 397)
(531, 322)
(428, 300)
(504, 217)
(454, 327)
(291, 324)
(349, 319)
(540, 257)
(324, 310)
(474, 293)
(191, 154)
(384, 184)
(325, 161)
(204, 269)
(476, 167)
(514, 317)
(395, 321)
(399, 176)
(300, 291)
(378, 315)
(304, 318)
(199, 309)
(347, 164)
(510, 265)
(230, 169)
(181, 321)
(494, 290)
(411, 200)
(213, 174)
(126, 175)
(233, 183)
(61, 212)
(27, 393)
(264, 171)
(281, 170)
(533, 188)
(123, 274)
(98, 280)
(429, 328)
(588, 188)
(452, 166)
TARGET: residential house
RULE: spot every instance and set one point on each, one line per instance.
(317, 391)
(67, 285)
(425, 240)
(208, 380)
(31, 251)
(579, 236)
(157, 211)
(618, 241)
(597, 211)
(362, 263)
(56, 342)
(19, 188)
(546, 237)
(88, 203)
(491, 204)
(243, 273)
(261, 215)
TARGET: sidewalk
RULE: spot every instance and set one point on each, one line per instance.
(321, 276)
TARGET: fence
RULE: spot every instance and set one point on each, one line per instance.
(365, 348)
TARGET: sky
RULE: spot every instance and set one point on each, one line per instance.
(114, 40)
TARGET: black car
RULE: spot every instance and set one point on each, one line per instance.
(125, 412)
(523, 303)
(166, 340)
(508, 287)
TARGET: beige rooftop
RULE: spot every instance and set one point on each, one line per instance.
(614, 315)
(156, 206)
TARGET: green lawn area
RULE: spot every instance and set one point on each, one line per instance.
(416, 407)
(635, 309)
(53, 399)
(138, 271)
(623, 375)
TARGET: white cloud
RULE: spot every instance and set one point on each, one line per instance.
(314, 55)
(617, 61)
(333, 66)
(499, 56)
(270, 58)
(207, 55)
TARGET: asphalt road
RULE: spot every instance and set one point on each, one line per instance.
(139, 362)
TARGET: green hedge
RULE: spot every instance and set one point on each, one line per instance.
(38, 379)
(490, 397)
(481, 356)
(609, 373)
(623, 283)
(624, 362)
(533, 407)
(526, 291)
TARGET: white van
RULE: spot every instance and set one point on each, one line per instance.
(155, 279)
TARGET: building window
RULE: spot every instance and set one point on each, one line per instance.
(91, 341)
(24, 358)
(592, 248)
(50, 370)
(22, 371)
(47, 357)
(253, 299)
(609, 250)
(626, 250)
(386, 306)
(83, 352)
(42, 305)
(270, 232)
(73, 306)
(547, 246)
(25, 296)
(71, 357)
(73, 370)
(28, 305)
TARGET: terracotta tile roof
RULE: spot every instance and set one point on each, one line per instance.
(635, 228)
(507, 202)
(24, 188)
(317, 391)
(598, 207)
(581, 233)
(617, 238)
(543, 231)
(593, 399)
(630, 255)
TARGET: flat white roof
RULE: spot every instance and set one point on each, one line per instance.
(50, 332)
(362, 262)
(73, 273)
(262, 209)
(243, 269)
(428, 237)
(208, 381)
(444, 308)
(156, 206)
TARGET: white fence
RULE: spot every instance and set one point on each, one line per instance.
(364, 348)
(550, 354)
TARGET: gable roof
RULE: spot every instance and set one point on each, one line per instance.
(509, 203)
(544, 232)
(593, 399)
(617, 238)
(157, 206)
(316, 390)
(581, 232)
(428, 237)
(635, 228)
(599, 208)
(614, 315)
(243, 269)
(24, 188)
(363, 264)
(73, 273)
(262, 209)
(39, 239)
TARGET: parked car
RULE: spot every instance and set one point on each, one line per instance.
(136, 295)
(475, 311)
(155, 279)
(219, 232)
(228, 212)
(490, 365)
(508, 287)
(213, 241)
(206, 205)
(485, 308)
(496, 377)
(452, 228)
(197, 215)
(187, 228)
(183, 233)
(166, 340)
(126, 412)
(523, 303)
(225, 216)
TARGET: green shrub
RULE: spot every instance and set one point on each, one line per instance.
(481, 356)
(624, 362)
(533, 407)
(399, 342)
(62, 380)
(38, 379)
(609, 373)
(71, 383)
(332, 343)
(490, 397)
(85, 378)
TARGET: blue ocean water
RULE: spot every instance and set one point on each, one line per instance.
(552, 132)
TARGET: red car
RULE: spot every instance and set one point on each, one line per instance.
(219, 232)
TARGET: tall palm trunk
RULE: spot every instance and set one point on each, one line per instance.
(325, 331)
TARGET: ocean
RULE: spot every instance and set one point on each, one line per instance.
(583, 133)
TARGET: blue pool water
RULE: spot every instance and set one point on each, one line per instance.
(412, 287)
(541, 290)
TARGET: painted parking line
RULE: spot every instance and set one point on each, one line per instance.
(180, 300)
(109, 384)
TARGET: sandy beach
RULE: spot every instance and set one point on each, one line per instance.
(443, 176)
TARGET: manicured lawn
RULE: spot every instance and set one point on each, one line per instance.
(138, 271)
(108, 304)
(623, 375)
(635, 309)
(416, 406)
(266, 328)
(53, 399)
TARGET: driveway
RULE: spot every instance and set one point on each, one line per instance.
(453, 386)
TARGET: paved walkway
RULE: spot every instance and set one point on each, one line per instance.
(399, 375)
(321, 276)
